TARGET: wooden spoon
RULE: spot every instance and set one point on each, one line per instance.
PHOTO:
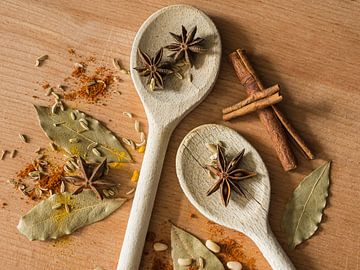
(164, 109)
(244, 214)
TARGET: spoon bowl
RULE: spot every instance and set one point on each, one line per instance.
(164, 109)
(246, 214)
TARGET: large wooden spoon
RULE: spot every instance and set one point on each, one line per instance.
(246, 214)
(164, 109)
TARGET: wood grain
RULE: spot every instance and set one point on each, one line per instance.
(310, 48)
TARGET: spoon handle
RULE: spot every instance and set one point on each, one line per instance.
(143, 202)
(271, 249)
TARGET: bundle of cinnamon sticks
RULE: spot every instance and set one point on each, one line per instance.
(263, 101)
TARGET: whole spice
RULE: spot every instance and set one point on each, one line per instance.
(254, 102)
(153, 68)
(229, 175)
(185, 45)
(270, 117)
(92, 178)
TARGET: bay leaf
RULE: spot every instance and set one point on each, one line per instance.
(185, 245)
(305, 208)
(65, 129)
(45, 222)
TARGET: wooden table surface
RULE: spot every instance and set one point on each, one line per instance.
(311, 48)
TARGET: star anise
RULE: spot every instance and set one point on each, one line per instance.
(186, 45)
(229, 175)
(92, 178)
(153, 68)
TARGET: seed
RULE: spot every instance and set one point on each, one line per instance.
(43, 189)
(160, 246)
(125, 71)
(53, 146)
(67, 169)
(58, 124)
(57, 97)
(74, 140)
(211, 245)
(61, 105)
(116, 64)
(84, 126)
(135, 176)
(33, 174)
(96, 152)
(177, 74)
(56, 206)
(152, 84)
(67, 208)
(137, 126)
(201, 263)
(190, 77)
(72, 162)
(91, 83)
(78, 65)
(43, 162)
(3, 153)
(111, 192)
(23, 138)
(184, 261)
(106, 193)
(38, 192)
(43, 57)
(22, 186)
(102, 82)
(62, 187)
(83, 120)
(92, 145)
(128, 114)
(233, 265)
(212, 147)
(61, 86)
(131, 191)
(49, 91)
(41, 169)
(53, 108)
(73, 116)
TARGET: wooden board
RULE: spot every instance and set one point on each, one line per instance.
(310, 48)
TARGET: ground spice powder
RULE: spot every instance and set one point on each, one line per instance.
(233, 251)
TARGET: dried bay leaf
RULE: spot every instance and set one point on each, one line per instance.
(304, 210)
(50, 220)
(185, 245)
(66, 129)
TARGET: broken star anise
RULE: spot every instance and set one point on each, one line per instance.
(186, 45)
(92, 178)
(229, 175)
(153, 68)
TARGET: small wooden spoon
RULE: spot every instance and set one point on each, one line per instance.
(164, 109)
(244, 214)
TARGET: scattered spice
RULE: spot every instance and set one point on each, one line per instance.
(3, 154)
(135, 176)
(23, 138)
(233, 251)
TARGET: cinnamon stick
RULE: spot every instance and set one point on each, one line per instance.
(254, 106)
(258, 95)
(250, 81)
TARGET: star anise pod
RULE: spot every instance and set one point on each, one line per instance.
(186, 45)
(153, 68)
(229, 175)
(92, 178)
